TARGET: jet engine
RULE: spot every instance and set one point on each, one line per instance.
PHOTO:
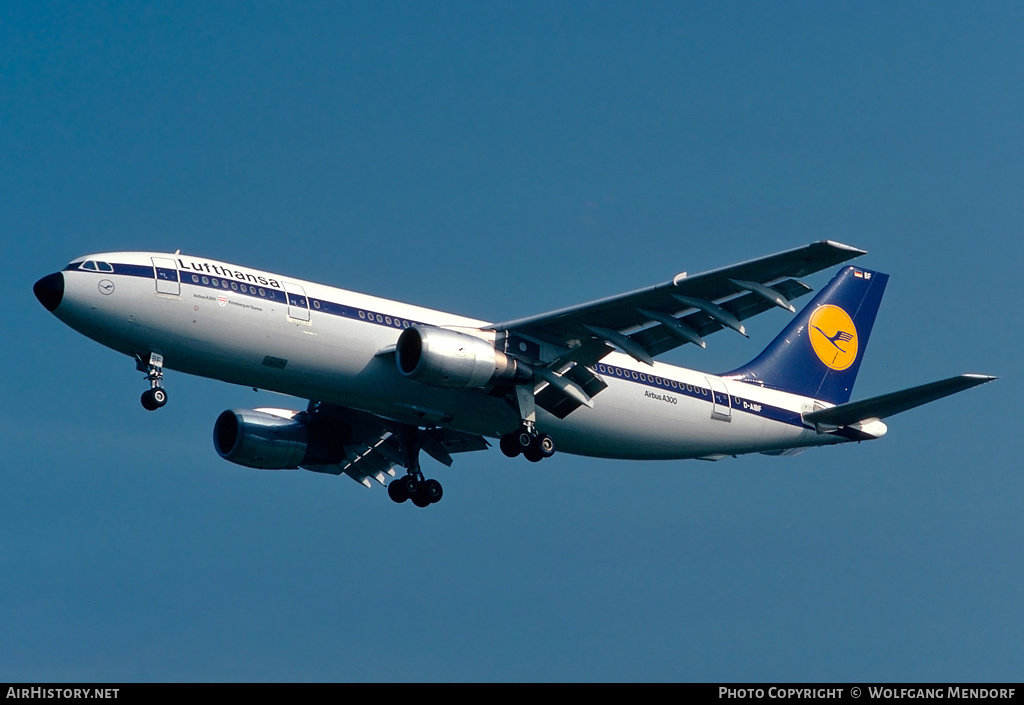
(278, 439)
(439, 357)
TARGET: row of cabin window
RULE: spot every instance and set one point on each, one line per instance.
(386, 320)
(235, 286)
(619, 372)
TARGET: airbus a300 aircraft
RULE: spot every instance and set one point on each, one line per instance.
(386, 380)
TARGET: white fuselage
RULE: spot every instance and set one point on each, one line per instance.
(307, 340)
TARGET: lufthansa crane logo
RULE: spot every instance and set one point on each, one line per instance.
(833, 337)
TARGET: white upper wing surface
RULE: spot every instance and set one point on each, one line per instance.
(651, 321)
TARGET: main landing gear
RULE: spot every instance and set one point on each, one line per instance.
(156, 396)
(534, 446)
(421, 491)
(526, 440)
(414, 485)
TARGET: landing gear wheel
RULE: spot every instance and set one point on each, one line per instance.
(432, 490)
(545, 445)
(153, 399)
(526, 440)
(396, 491)
(411, 486)
(509, 445)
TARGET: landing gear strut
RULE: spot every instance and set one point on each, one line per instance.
(414, 485)
(526, 440)
(156, 396)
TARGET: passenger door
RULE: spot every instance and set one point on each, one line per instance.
(298, 304)
(722, 408)
(165, 271)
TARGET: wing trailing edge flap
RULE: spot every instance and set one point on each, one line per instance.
(566, 392)
(369, 460)
(567, 383)
(706, 317)
(887, 405)
(378, 451)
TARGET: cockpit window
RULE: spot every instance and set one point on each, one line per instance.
(94, 266)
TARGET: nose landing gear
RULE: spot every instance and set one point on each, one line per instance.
(156, 396)
(153, 399)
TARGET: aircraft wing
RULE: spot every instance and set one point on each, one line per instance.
(373, 448)
(651, 321)
(894, 403)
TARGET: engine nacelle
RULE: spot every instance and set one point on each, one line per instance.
(445, 358)
(277, 439)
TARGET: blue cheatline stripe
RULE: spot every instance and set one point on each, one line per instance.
(704, 394)
(255, 291)
(268, 293)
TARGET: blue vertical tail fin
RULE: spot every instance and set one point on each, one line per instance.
(819, 353)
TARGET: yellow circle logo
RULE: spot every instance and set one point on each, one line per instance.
(833, 337)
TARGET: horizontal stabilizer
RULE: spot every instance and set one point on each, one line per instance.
(894, 403)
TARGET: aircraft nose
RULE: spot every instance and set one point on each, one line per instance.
(50, 290)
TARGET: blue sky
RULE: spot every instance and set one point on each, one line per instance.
(499, 160)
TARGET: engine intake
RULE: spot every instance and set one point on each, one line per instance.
(278, 439)
(439, 357)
